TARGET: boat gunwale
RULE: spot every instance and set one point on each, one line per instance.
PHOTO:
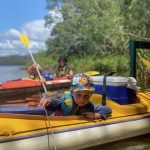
(98, 124)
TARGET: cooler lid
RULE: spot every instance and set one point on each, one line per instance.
(112, 80)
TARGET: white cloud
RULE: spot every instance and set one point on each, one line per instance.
(12, 33)
(10, 43)
(36, 31)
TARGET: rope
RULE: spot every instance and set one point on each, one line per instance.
(47, 128)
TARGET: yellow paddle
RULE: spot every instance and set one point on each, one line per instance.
(92, 73)
(25, 41)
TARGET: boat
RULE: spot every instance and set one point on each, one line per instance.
(33, 128)
(27, 86)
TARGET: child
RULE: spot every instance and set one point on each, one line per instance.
(77, 102)
(33, 72)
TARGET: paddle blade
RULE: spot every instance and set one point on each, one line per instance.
(146, 63)
(24, 40)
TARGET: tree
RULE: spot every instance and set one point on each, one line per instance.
(88, 27)
(97, 27)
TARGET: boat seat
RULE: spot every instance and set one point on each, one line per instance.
(129, 109)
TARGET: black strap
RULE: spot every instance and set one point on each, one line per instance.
(104, 88)
(104, 91)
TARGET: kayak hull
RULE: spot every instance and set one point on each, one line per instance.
(81, 137)
(37, 132)
(20, 87)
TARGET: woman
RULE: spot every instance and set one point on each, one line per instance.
(63, 69)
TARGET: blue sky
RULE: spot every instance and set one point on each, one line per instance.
(15, 13)
(24, 16)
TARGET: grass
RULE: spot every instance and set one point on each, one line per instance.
(102, 64)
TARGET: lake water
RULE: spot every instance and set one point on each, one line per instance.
(137, 143)
(11, 73)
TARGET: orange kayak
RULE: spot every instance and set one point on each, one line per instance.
(18, 87)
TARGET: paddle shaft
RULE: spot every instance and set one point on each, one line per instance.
(25, 41)
(34, 62)
(55, 148)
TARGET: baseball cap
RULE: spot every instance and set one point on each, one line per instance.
(82, 82)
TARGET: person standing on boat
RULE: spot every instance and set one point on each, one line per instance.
(63, 69)
(77, 100)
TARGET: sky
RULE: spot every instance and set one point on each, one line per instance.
(24, 16)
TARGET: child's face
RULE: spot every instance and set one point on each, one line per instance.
(81, 98)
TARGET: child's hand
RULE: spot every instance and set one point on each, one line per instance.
(43, 80)
(92, 115)
(68, 76)
(44, 102)
(36, 65)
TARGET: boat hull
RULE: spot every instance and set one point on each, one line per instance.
(81, 137)
(20, 87)
(27, 131)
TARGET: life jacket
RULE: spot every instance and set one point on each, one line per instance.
(67, 104)
(68, 107)
(34, 77)
(62, 71)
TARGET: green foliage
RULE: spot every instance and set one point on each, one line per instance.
(98, 26)
(96, 32)
(103, 64)
(136, 18)
(88, 28)
(47, 62)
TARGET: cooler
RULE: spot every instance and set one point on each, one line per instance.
(119, 89)
(47, 75)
